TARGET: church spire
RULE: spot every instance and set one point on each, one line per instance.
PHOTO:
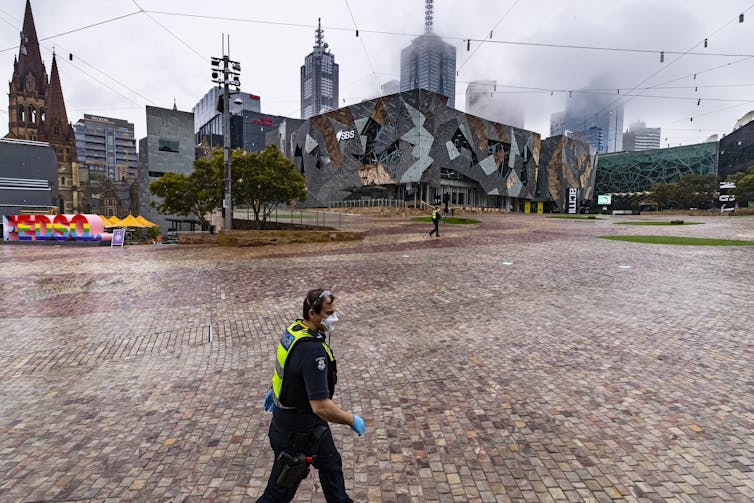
(29, 58)
(28, 85)
(57, 118)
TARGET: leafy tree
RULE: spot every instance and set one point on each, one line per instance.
(665, 195)
(197, 194)
(744, 190)
(697, 191)
(263, 180)
(734, 177)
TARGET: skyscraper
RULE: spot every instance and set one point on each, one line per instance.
(319, 78)
(106, 148)
(206, 109)
(483, 100)
(557, 123)
(640, 137)
(429, 62)
(597, 119)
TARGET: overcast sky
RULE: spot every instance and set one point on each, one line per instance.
(120, 66)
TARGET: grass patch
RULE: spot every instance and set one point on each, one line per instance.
(678, 240)
(577, 217)
(448, 220)
(660, 223)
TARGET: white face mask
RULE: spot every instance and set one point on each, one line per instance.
(329, 323)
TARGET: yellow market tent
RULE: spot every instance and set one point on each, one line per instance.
(130, 221)
(110, 221)
(146, 223)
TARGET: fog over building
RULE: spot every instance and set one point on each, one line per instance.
(594, 118)
(640, 137)
(429, 63)
(484, 100)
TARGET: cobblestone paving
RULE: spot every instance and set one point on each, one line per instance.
(519, 360)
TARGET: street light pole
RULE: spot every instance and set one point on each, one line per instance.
(226, 76)
(228, 201)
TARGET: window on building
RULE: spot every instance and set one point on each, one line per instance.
(168, 145)
(20, 116)
(33, 115)
(156, 174)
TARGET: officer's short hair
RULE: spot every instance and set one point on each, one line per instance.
(315, 299)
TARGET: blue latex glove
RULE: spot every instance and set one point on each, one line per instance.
(358, 425)
(269, 403)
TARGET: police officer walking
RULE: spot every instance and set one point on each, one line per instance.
(303, 384)
(436, 221)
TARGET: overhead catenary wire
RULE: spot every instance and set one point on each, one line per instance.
(363, 45)
(362, 30)
(99, 23)
(623, 102)
(447, 38)
(494, 27)
(84, 72)
(179, 39)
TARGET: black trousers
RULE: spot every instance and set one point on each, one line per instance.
(328, 464)
(436, 230)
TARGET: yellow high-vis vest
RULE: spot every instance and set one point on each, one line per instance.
(293, 334)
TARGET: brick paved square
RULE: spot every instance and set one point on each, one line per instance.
(522, 359)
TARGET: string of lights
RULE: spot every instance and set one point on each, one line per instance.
(621, 102)
(449, 38)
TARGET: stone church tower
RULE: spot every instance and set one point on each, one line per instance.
(37, 112)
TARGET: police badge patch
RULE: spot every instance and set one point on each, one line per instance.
(321, 365)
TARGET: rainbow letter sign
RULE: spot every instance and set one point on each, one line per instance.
(78, 227)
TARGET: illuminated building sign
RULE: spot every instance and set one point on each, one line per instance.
(345, 134)
(78, 227)
(572, 195)
(264, 121)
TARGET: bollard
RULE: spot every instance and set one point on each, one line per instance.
(210, 332)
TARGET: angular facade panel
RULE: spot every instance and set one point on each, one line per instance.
(412, 146)
(565, 164)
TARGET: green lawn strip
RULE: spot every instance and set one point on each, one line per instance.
(448, 220)
(679, 240)
(577, 217)
(657, 223)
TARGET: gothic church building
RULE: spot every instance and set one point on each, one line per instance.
(36, 112)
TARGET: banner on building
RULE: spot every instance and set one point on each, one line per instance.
(727, 198)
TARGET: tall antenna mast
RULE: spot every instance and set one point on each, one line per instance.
(319, 33)
(427, 16)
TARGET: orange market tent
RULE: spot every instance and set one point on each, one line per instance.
(115, 222)
(146, 223)
(105, 221)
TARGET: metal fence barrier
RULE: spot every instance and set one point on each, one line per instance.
(307, 216)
